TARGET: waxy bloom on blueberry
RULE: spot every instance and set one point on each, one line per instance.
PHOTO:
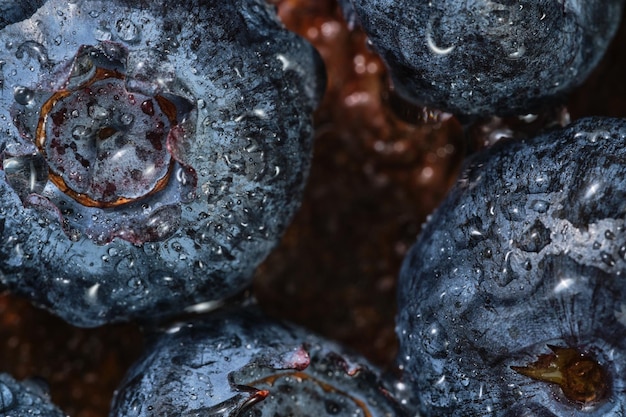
(238, 362)
(512, 302)
(152, 154)
(483, 57)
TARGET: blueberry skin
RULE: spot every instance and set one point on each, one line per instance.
(527, 251)
(239, 362)
(22, 399)
(243, 89)
(480, 58)
(12, 11)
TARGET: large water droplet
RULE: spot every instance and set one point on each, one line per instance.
(23, 95)
(33, 50)
(27, 174)
(126, 30)
(81, 132)
(83, 69)
(535, 238)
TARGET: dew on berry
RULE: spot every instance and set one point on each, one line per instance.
(544, 274)
(100, 159)
(25, 398)
(103, 143)
(480, 58)
(27, 174)
(236, 361)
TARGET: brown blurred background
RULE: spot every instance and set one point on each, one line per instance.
(374, 180)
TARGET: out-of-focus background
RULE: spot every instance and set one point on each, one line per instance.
(374, 180)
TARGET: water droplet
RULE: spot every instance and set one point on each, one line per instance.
(83, 69)
(136, 283)
(27, 174)
(97, 112)
(102, 33)
(23, 95)
(81, 132)
(7, 399)
(332, 407)
(94, 13)
(147, 107)
(33, 50)
(518, 53)
(540, 206)
(432, 43)
(126, 30)
(607, 259)
(126, 119)
(592, 137)
(535, 238)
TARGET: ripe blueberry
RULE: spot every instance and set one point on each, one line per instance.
(241, 363)
(151, 155)
(513, 300)
(482, 57)
(12, 11)
(27, 398)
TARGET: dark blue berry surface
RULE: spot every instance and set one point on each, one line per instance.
(374, 179)
(481, 57)
(25, 399)
(241, 363)
(525, 259)
(12, 11)
(151, 157)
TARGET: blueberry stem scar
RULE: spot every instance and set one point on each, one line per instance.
(58, 177)
(581, 378)
(271, 380)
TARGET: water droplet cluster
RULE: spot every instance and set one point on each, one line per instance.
(239, 362)
(132, 147)
(512, 296)
(481, 58)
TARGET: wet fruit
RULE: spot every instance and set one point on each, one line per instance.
(26, 398)
(241, 363)
(151, 157)
(512, 302)
(480, 58)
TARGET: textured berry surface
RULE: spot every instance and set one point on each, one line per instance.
(151, 157)
(481, 57)
(517, 282)
(25, 399)
(12, 11)
(240, 363)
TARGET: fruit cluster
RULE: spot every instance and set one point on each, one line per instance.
(152, 159)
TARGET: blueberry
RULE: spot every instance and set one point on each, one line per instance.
(513, 297)
(12, 11)
(152, 154)
(241, 363)
(482, 57)
(26, 398)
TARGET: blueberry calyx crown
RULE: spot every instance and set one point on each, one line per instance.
(581, 378)
(99, 141)
(118, 155)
